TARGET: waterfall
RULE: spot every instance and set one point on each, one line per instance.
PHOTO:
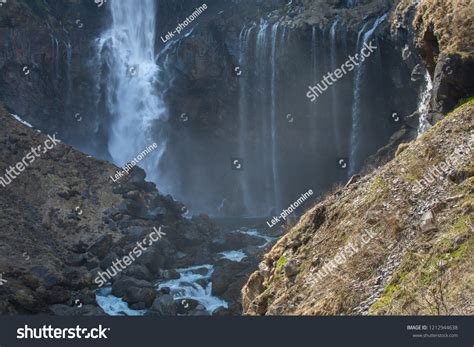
(363, 38)
(243, 110)
(127, 50)
(335, 101)
(68, 72)
(274, 137)
(259, 117)
(55, 54)
(423, 104)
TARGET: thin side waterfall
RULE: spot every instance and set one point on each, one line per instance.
(262, 117)
(315, 44)
(259, 114)
(276, 189)
(127, 49)
(363, 38)
(335, 101)
(55, 53)
(423, 105)
(243, 110)
(68, 71)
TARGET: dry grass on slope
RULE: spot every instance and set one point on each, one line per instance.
(407, 263)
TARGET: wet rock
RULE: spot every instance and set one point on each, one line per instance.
(169, 274)
(140, 272)
(135, 295)
(184, 306)
(154, 259)
(165, 290)
(164, 306)
(119, 288)
(200, 271)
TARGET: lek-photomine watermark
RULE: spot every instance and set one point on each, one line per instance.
(286, 212)
(121, 264)
(328, 80)
(11, 173)
(126, 169)
(443, 168)
(184, 24)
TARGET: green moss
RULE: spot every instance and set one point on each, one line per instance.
(462, 102)
(281, 263)
(377, 191)
(386, 298)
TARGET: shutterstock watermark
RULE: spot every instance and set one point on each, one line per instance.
(441, 169)
(181, 26)
(11, 173)
(286, 212)
(121, 264)
(341, 257)
(48, 332)
(328, 80)
(126, 169)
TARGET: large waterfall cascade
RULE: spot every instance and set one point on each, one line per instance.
(127, 48)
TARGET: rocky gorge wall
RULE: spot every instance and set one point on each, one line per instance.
(287, 48)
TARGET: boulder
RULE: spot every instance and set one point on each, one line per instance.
(119, 288)
(428, 223)
(136, 295)
(139, 271)
(164, 305)
(102, 246)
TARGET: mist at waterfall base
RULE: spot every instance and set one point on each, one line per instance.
(285, 144)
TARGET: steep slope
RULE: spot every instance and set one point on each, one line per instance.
(63, 219)
(387, 243)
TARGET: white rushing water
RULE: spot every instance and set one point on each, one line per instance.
(233, 255)
(257, 233)
(259, 136)
(113, 305)
(187, 287)
(424, 103)
(363, 38)
(127, 48)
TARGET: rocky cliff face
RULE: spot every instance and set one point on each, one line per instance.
(396, 241)
(442, 33)
(46, 66)
(293, 45)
